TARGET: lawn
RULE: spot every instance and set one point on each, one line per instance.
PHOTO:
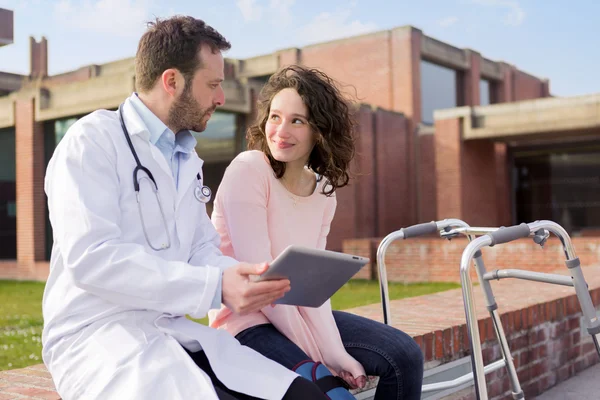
(21, 313)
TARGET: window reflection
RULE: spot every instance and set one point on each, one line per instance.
(54, 131)
(8, 208)
(438, 89)
(562, 186)
(484, 92)
(217, 142)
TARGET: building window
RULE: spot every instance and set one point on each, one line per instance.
(484, 92)
(8, 210)
(61, 126)
(217, 142)
(438, 89)
(561, 186)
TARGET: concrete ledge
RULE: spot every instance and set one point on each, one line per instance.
(575, 116)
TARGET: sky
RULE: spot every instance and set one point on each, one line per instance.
(551, 39)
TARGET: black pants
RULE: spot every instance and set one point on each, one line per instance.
(300, 389)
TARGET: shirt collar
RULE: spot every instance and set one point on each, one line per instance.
(156, 128)
(185, 142)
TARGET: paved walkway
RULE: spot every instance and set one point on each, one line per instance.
(583, 386)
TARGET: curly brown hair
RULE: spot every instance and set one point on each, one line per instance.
(173, 43)
(329, 116)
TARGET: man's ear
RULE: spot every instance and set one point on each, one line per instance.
(172, 81)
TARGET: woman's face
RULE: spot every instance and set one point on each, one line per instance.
(289, 135)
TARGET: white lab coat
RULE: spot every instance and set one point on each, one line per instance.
(113, 307)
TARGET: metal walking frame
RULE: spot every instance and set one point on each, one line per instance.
(479, 238)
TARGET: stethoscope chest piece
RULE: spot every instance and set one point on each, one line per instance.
(202, 194)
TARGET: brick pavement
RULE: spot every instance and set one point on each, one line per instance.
(436, 321)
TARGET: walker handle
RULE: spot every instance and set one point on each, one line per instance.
(508, 234)
(420, 229)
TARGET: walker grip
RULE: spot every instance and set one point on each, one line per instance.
(508, 234)
(420, 229)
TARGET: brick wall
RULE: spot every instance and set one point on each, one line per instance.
(503, 185)
(438, 260)
(527, 87)
(542, 323)
(427, 180)
(392, 187)
(471, 80)
(548, 342)
(37, 271)
(405, 45)
(38, 59)
(470, 176)
(362, 62)
(364, 167)
(29, 152)
(478, 186)
(364, 248)
(448, 167)
(374, 200)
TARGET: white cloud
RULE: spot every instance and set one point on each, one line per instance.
(515, 14)
(448, 21)
(277, 11)
(114, 17)
(331, 26)
(19, 5)
(251, 11)
(280, 12)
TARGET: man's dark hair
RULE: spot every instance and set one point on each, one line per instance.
(174, 43)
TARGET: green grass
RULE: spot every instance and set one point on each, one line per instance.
(21, 313)
(20, 324)
(361, 292)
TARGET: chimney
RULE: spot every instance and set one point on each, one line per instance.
(38, 54)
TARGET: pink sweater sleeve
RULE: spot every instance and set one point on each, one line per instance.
(243, 197)
(327, 218)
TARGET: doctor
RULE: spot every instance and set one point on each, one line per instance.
(134, 250)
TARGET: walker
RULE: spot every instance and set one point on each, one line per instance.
(479, 238)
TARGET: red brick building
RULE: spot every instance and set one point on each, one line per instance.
(413, 164)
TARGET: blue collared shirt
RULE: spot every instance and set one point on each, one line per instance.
(175, 148)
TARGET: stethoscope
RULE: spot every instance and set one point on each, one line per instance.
(202, 193)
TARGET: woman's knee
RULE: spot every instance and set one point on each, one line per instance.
(406, 357)
(414, 356)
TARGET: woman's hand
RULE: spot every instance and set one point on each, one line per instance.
(354, 383)
(351, 371)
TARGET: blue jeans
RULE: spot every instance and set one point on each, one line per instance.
(382, 350)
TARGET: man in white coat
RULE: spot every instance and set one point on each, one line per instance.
(135, 252)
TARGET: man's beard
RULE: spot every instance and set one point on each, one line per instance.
(186, 114)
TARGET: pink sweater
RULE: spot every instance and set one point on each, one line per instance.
(257, 218)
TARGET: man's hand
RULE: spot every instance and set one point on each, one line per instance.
(243, 296)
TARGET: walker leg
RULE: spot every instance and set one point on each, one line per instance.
(585, 301)
(492, 307)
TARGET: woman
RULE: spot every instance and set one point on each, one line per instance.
(283, 193)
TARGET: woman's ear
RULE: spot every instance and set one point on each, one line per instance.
(319, 138)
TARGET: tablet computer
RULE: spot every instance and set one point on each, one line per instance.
(315, 275)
